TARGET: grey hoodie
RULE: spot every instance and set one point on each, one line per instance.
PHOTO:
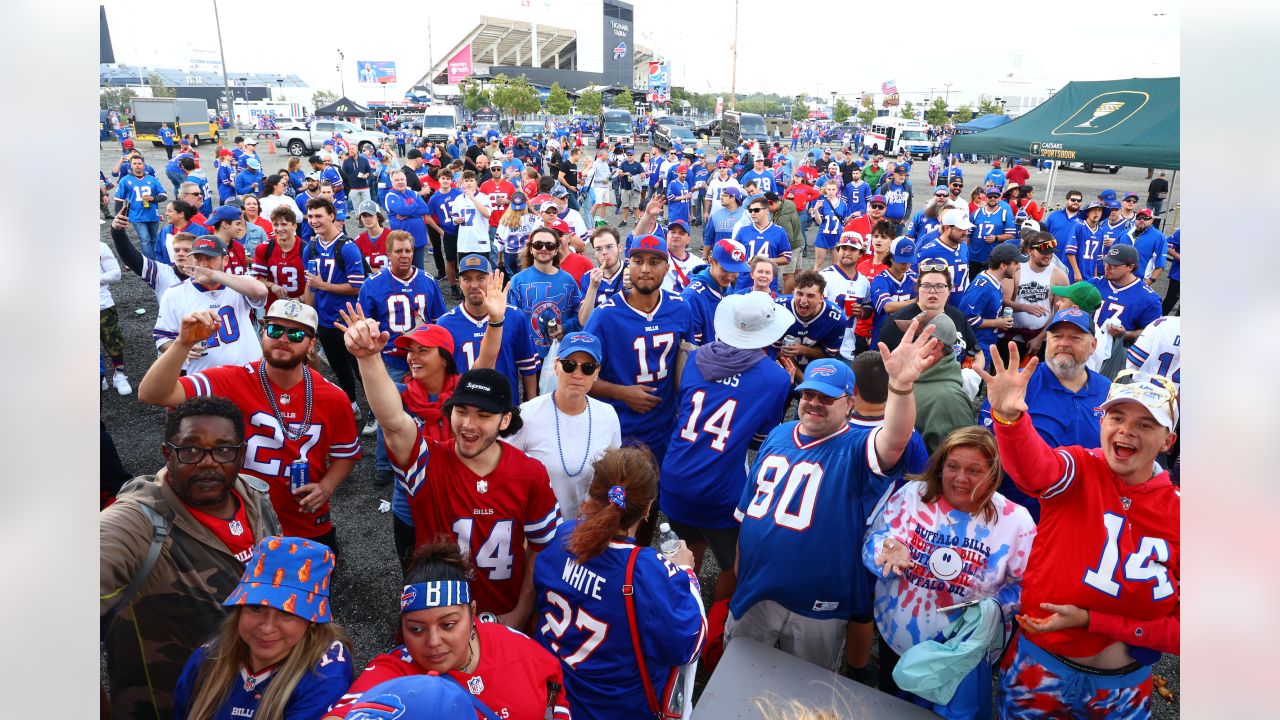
(718, 360)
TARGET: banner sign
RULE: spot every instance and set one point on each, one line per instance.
(460, 65)
(376, 72)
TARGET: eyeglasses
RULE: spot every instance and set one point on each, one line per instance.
(190, 455)
(754, 209)
(927, 266)
(815, 396)
(933, 287)
(193, 192)
(588, 368)
(540, 245)
(551, 211)
(296, 335)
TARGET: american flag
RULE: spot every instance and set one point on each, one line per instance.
(889, 88)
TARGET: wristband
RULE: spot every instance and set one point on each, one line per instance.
(1001, 420)
(896, 391)
(498, 324)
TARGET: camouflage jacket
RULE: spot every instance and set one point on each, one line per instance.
(179, 605)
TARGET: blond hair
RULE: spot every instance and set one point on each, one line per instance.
(972, 436)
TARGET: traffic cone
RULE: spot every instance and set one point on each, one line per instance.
(271, 146)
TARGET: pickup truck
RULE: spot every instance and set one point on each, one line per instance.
(307, 141)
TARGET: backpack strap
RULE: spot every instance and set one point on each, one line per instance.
(628, 596)
(159, 533)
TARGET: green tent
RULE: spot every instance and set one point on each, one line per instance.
(1130, 122)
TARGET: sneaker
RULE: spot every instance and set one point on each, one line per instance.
(105, 384)
(121, 381)
(370, 427)
(383, 476)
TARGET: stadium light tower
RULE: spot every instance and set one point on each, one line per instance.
(222, 56)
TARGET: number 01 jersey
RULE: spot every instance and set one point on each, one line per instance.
(804, 512)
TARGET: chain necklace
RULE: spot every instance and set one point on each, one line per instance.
(586, 453)
(275, 409)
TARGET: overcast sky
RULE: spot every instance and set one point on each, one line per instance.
(830, 46)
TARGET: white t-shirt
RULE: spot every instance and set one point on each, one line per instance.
(717, 186)
(270, 202)
(235, 343)
(547, 435)
(108, 272)
(574, 219)
(473, 226)
(680, 272)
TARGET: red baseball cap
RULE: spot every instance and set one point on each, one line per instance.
(427, 336)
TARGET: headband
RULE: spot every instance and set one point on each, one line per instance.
(434, 594)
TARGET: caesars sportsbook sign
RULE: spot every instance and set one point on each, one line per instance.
(1097, 116)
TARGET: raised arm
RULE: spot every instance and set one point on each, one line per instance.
(914, 355)
(128, 253)
(365, 340)
(1036, 468)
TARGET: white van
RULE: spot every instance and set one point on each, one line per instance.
(889, 135)
(439, 123)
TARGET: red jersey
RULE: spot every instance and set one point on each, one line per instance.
(810, 172)
(802, 194)
(499, 192)
(577, 265)
(234, 533)
(491, 516)
(283, 267)
(514, 676)
(1110, 548)
(530, 188)
(375, 250)
(509, 141)
(1018, 174)
(237, 263)
(861, 225)
(332, 435)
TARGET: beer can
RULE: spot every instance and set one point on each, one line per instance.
(299, 474)
(313, 266)
(1007, 312)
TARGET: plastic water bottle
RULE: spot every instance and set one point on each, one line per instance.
(668, 541)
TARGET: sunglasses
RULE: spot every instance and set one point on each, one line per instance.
(296, 335)
(927, 266)
(815, 396)
(1074, 200)
(877, 205)
(1130, 200)
(588, 368)
(540, 245)
(190, 455)
(754, 209)
(1045, 246)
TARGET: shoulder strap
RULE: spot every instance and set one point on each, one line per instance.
(628, 596)
(159, 533)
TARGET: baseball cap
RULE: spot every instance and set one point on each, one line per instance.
(427, 336)
(828, 376)
(558, 191)
(1121, 255)
(208, 245)
(733, 192)
(1154, 392)
(423, 697)
(631, 151)
(1145, 212)
(681, 169)
(730, 255)
(328, 142)
(833, 164)
(956, 218)
(368, 207)
(127, 144)
(434, 162)
(290, 574)
(650, 244)
(993, 191)
(581, 342)
(546, 205)
(293, 310)
(519, 201)
(1095, 204)
(678, 224)
(900, 169)
(312, 176)
(475, 262)
(223, 214)
(1029, 224)
(751, 321)
(1113, 204)
(852, 238)
(224, 153)
(944, 330)
(903, 250)
(251, 141)
(995, 164)
(1074, 315)
(1130, 194)
(1007, 252)
(1082, 293)
(877, 199)
(942, 190)
(483, 388)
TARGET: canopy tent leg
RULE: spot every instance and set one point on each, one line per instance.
(1048, 193)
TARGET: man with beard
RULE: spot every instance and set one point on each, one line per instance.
(294, 414)
(819, 328)
(214, 517)
(1030, 289)
(1063, 395)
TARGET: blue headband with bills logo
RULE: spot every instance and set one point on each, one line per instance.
(434, 594)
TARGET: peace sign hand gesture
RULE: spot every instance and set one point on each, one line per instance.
(1007, 387)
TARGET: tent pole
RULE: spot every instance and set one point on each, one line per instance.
(1167, 228)
(1048, 193)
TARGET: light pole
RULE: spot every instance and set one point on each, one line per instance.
(342, 82)
(948, 98)
(833, 104)
(222, 56)
(733, 81)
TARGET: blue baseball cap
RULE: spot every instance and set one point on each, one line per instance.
(1075, 316)
(328, 142)
(993, 190)
(581, 342)
(225, 213)
(290, 574)
(730, 255)
(474, 262)
(733, 192)
(830, 377)
(519, 201)
(680, 224)
(558, 191)
(903, 250)
(1107, 195)
(1113, 204)
(941, 190)
(253, 163)
(649, 244)
(423, 697)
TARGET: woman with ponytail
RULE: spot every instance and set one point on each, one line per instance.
(588, 619)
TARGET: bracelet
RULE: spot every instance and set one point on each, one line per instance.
(1001, 420)
(896, 391)
(498, 324)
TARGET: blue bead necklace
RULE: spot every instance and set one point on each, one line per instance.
(586, 454)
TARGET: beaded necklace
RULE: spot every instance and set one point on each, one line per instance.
(586, 453)
(305, 425)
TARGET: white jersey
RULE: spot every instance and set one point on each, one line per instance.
(473, 226)
(717, 186)
(574, 220)
(1033, 289)
(680, 272)
(160, 276)
(848, 294)
(1158, 349)
(235, 343)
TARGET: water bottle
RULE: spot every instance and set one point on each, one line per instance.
(668, 541)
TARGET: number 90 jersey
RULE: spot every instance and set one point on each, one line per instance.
(268, 452)
(804, 512)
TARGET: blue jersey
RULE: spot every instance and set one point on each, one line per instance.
(583, 622)
(703, 296)
(921, 225)
(249, 182)
(346, 269)
(856, 194)
(957, 260)
(130, 190)
(227, 184)
(721, 224)
(405, 210)
(606, 289)
(544, 298)
(642, 349)
(803, 494)
(206, 207)
(315, 693)
(764, 180)
(698, 173)
(1151, 246)
(1110, 234)
(824, 331)
(914, 459)
(677, 209)
(705, 468)
(438, 208)
(982, 301)
(771, 241)
(166, 136)
(401, 305)
(1089, 255)
(994, 177)
(331, 174)
(1136, 305)
(517, 357)
(988, 223)
(831, 220)
(897, 200)
(1175, 244)
(885, 288)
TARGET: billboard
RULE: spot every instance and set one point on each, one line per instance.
(376, 72)
(659, 83)
(619, 51)
(459, 66)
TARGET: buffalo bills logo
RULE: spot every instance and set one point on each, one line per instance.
(1072, 313)
(384, 707)
(408, 596)
(649, 242)
(822, 371)
(620, 51)
(735, 250)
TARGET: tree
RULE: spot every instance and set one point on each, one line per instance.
(909, 110)
(622, 100)
(558, 102)
(589, 102)
(116, 99)
(964, 114)
(936, 114)
(987, 106)
(842, 112)
(475, 97)
(868, 112)
(158, 89)
(320, 98)
(514, 96)
(799, 110)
